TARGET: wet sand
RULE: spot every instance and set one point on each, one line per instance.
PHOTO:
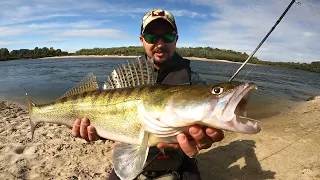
(286, 148)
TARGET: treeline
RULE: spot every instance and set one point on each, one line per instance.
(313, 66)
(30, 54)
(202, 52)
(121, 51)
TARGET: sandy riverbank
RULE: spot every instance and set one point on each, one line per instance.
(287, 148)
(130, 57)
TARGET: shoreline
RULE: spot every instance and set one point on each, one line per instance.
(124, 57)
(87, 56)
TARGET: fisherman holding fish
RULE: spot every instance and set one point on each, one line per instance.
(147, 105)
(159, 36)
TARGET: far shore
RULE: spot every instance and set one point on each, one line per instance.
(87, 56)
(124, 57)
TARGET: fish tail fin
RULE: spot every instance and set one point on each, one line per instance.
(29, 102)
(129, 160)
(31, 105)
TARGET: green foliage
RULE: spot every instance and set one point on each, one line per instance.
(30, 54)
(200, 52)
(214, 53)
(4, 54)
(124, 51)
(313, 66)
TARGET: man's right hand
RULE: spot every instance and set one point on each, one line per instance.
(82, 128)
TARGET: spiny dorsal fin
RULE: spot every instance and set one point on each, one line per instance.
(88, 83)
(132, 74)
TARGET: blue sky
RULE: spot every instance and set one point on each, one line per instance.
(239, 25)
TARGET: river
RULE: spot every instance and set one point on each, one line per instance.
(279, 89)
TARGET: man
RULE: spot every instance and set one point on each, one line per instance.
(159, 36)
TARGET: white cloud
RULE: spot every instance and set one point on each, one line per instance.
(242, 25)
(46, 28)
(96, 33)
(5, 43)
(232, 24)
(192, 14)
(47, 20)
(20, 11)
(65, 25)
(47, 33)
(5, 31)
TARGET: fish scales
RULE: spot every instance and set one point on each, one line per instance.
(118, 108)
(116, 114)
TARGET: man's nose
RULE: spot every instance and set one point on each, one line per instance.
(160, 43)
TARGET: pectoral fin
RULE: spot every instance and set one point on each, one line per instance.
(129, 160)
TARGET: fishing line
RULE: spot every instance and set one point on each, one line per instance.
(249, 72)
(274, 26)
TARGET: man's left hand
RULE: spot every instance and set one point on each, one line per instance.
(203, 138)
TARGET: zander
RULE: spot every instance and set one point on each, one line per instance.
(134, 110)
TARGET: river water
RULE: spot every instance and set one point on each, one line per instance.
(279, 89)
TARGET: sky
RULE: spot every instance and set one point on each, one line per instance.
(239, 25)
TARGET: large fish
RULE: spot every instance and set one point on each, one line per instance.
(134, 110)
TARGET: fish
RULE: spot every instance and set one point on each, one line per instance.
(135, 111)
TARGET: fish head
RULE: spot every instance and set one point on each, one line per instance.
(221, 106)
(229, 108)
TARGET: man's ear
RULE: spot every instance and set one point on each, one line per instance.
(141, 39)
(177, 37)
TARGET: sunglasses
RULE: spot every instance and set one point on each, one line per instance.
(152, 39)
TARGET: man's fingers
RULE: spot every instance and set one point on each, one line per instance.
(83, 128)
(216, 135)
(76, 128)
(162, 145)
(92, 133)
(188, 147)
(203, 141)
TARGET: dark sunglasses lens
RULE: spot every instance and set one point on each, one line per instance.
(169, 37)
(150, 38)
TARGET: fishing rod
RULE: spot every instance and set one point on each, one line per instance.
(274, 26)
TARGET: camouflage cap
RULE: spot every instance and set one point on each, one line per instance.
(156, 14)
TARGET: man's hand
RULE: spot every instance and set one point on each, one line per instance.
(200, 138)
(203, 138)
(82, 128)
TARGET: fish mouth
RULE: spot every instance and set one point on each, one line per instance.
(233, 114)
(238, 100)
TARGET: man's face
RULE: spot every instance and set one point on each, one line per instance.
(159, 51)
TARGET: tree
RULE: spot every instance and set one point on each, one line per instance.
(4, 54)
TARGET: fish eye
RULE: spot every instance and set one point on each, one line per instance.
(217, 90)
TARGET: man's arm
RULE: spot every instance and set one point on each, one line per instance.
(201, 138)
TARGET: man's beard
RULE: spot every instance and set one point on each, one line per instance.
(162, 50)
